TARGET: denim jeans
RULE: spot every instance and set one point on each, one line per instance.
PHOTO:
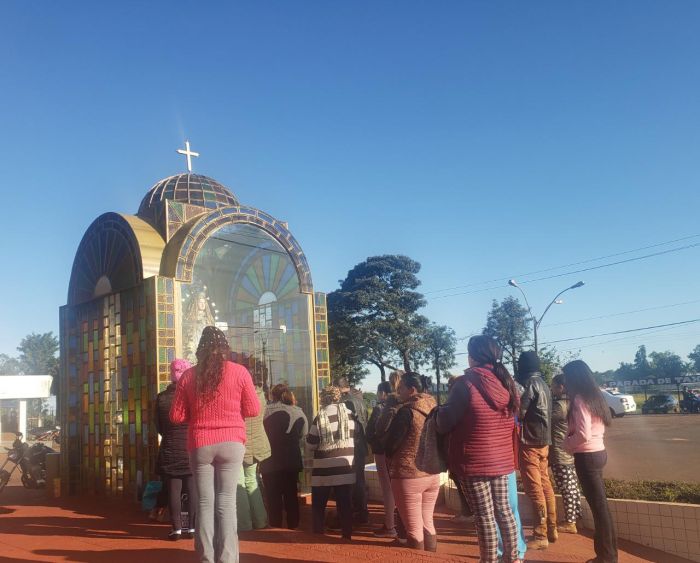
(513, 501)
(589, 468)
(216, 470)
(387, 494)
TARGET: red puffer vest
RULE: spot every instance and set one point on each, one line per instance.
(481, 445)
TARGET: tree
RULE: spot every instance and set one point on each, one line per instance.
(439, 350)
(642, 367)
(667, 364)
(509, 323)
(551, 361)
(694, 358)
(603, 377)
(626, 371)
(373, 317)
(9, 365)
(348, 348)
(38, 354)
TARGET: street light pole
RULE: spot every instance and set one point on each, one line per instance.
(537, 322)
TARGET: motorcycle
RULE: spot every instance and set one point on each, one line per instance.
(53, 435)
(690, 403)
(31, 461)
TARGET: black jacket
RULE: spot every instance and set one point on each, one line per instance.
(535, 411)
(173, 458)
(285, 426)
(355, 402)
(372, 435)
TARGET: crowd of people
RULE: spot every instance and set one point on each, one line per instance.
(222, 436)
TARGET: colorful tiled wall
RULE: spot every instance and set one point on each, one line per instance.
(323, 371)
(110, 368)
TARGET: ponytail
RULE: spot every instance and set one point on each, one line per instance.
(503, 375)
(484, 350)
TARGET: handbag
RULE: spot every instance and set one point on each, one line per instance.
(430, 457)
(150, 495)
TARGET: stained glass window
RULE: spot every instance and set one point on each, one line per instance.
(245, 283)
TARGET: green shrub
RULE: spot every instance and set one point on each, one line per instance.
(656, 491)
(659, 491)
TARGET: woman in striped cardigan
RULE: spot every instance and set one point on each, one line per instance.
(331, 438)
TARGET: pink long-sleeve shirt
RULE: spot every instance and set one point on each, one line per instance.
(586, 432)
(222, 419)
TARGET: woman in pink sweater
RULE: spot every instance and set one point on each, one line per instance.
(214, 398)
(588, 416)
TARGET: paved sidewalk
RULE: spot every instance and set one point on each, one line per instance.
(98, 530)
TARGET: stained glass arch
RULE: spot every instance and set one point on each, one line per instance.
(118, 252)
(181, 253)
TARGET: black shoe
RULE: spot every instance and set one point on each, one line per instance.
(175, 535)
(360, 518)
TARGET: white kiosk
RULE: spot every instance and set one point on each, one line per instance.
(23, 387)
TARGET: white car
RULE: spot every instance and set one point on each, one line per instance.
(619, 404)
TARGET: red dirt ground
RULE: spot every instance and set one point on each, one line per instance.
(99, 530)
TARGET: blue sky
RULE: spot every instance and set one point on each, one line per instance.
(483, 139)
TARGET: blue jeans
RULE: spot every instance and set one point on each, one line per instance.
(513, 501)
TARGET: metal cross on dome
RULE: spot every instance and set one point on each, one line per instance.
(189, 154)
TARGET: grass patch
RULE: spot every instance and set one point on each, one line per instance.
(655, 491)
(658, 491)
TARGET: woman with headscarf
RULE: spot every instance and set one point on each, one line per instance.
(285, 425)
(215, 397)
(173, 460)
(331, 438)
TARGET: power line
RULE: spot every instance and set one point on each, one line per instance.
(617, 263)
(652, 336)
(567, 265)
(624, 313)
(622, 331)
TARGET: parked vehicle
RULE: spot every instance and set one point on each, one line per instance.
(51, 435)
(31, 461)
(628, 401)
(661, 404)
(690, 401)
(617, 407)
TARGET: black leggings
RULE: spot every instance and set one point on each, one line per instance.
(281, 493)
(589, 468)
(175, 485)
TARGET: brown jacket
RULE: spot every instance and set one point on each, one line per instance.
(404, 436)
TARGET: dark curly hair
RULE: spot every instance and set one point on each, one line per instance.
(212, 352)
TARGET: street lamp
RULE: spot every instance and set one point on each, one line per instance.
(264, 333)
(556, 301)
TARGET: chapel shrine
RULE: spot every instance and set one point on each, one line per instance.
(141, 290)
